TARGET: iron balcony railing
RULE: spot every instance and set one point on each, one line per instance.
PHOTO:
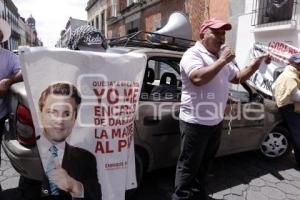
(273, 12)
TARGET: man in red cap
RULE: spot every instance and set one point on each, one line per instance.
(205, 73)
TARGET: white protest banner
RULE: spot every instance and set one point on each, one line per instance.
(83, 106)
(280, 53)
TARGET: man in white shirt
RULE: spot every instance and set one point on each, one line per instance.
(70, 172)
(205, 74)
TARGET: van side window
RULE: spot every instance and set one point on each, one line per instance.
(239, 93)
(161, 82)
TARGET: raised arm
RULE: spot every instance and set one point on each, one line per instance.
(203, 75)
(245, 73)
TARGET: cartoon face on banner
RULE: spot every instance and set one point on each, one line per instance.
(264, 77)
(83, 113)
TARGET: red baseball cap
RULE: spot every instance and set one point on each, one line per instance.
(215, 24)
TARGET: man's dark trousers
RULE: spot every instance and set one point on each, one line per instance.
(292, 119)
(199, 145)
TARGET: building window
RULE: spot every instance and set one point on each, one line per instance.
(113, 9)
(103, 22)
(269, 11)
(97, 22)
(133, 26)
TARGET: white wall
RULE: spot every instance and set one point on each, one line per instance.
(247, 35)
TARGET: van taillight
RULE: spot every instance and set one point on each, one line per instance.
(24, 126)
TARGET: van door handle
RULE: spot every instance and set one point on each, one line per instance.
(151, 120)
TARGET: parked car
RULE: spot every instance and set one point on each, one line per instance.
(156, 136)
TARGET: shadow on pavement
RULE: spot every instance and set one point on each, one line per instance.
(233, 173)
(242, 169)
(230, 175)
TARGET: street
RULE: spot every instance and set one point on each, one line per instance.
(238, 177)
(9, 177)
(235, 177)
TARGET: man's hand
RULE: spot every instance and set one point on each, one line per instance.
(4, 86)
(65, 182)
(227, 55)
(257, 61)
(245, 73)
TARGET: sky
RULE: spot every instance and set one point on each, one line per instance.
(51, 16)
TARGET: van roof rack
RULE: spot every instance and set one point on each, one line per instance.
(151, 40)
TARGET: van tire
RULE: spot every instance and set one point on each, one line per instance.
(276, 144)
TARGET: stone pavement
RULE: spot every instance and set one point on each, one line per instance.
(244, 176)
(9, 178)
(247, 176)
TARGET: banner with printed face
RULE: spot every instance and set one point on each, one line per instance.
(83, 106)
(267, 73)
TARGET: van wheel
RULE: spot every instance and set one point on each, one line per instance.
(140, 166)
(276, 144)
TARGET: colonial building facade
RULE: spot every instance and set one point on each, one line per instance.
(22, 33)
(97, 14)
(11, 15)
(117, 18)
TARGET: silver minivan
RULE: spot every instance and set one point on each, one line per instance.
(252, 121)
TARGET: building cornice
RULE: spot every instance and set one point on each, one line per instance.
(90, 4)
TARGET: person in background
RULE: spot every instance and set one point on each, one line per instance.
(87, 38)
(10, 72)
(286, 90)
(205, 73)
